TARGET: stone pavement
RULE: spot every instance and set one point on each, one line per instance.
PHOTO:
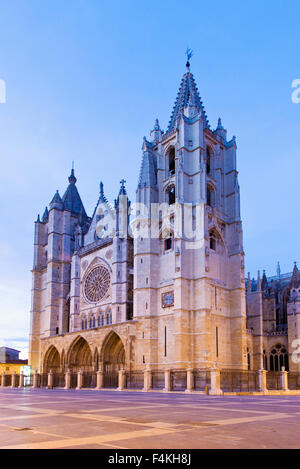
(50, 419)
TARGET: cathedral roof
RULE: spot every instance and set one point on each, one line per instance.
(71, 198)
(275, 283)
(188, 94)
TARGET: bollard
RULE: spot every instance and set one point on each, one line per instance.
(262, 381)
(22, 380)
(189, 380)
(215, 379)
(79, 380)
(284, 379)
(147, 379)
(50, 380)
(121, 380)
(36, 379)
(167, 387)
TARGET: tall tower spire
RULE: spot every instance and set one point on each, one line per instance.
(188, 92)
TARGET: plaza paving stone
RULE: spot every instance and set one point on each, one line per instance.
(69, 419)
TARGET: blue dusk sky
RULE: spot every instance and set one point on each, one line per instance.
(85, 81)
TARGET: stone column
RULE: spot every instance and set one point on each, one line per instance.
(215, 382)
(100, 377)
(79, 379)
(3, 380)
(36, 379)
(50, 380)
(147, 379)
(121, 380)
(284, 379)
(13, 380)
(68, 379)
(189, 380)
(167, 387)
(21, 383)
(262, 380)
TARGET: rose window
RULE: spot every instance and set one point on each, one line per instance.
(97, 284)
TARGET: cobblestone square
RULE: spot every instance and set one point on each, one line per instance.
(60, 419)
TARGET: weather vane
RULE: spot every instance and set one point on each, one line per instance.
(189, 53)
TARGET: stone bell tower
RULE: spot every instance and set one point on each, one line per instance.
(51, 273)
(189, 289)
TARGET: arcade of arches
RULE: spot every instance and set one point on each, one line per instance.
(110, 357)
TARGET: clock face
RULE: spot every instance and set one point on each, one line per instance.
(168, 299)
(97, 284)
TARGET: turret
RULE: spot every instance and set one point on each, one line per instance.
(220, 131)
(264, 283)
(56, 202)
(122, 295)
(156, 133)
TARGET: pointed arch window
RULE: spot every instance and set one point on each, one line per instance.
(169, 242)
(215, 242)
(208, 161)
(210, 196)
(108, 318)
(212, 242)
(171, 161)
(171, 195)
(279, 357)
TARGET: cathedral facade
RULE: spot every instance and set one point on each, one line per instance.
(159, 284)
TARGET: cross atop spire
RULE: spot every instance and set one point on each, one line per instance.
(123, 190)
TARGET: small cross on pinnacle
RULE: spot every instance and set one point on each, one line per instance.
(122, 190)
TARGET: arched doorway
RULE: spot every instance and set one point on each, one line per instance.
(113, 353)
(113, 359)
(52, 360)
(80, 356)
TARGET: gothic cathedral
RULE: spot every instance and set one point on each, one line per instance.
(161, 285)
